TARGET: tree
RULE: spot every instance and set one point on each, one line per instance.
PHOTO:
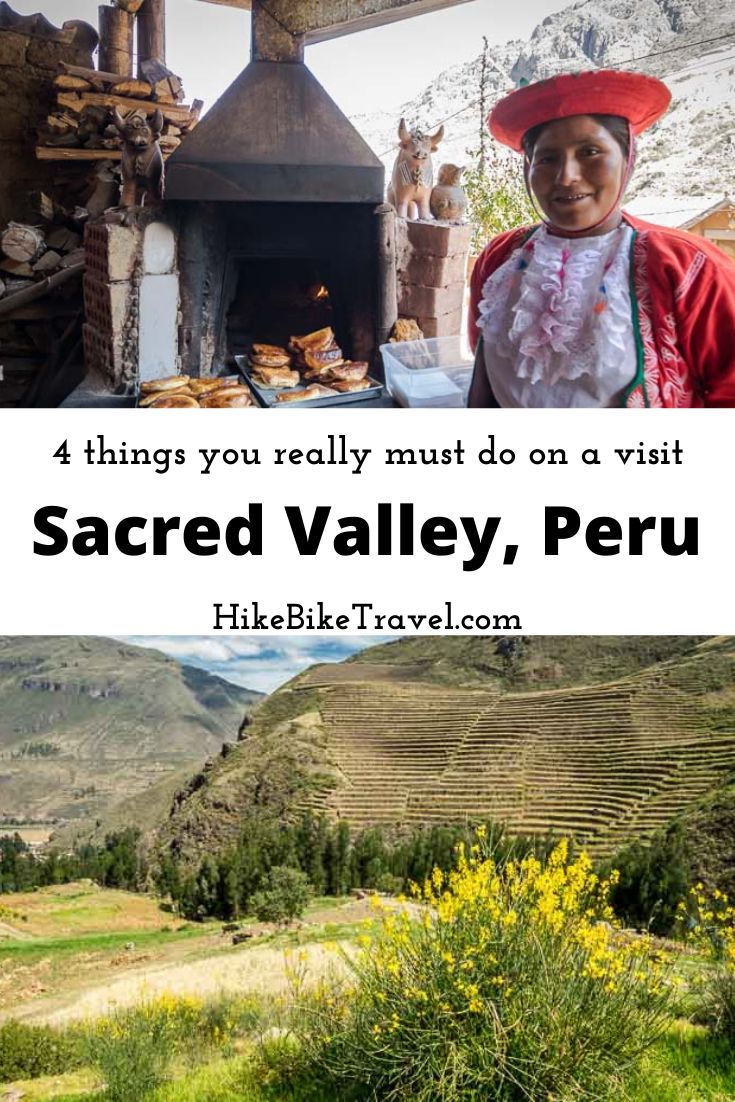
(497, 196)
(653, 878)
(283, 897)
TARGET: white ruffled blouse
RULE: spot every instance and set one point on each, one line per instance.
(557, 324)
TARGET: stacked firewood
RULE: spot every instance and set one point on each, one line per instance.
(81, 127)
(41, 266)
(31, 253)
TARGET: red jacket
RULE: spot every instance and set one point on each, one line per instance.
(683, 307)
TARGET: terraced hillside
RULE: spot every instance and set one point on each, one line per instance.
(85, 722)
(602, 762)
(387, 742)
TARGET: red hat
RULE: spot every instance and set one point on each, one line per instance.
(634, 96)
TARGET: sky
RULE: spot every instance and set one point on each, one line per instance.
(208, 45)
(261, 664)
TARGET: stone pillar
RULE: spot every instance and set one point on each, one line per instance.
(111, 286)
(131, 303)
(432, 263)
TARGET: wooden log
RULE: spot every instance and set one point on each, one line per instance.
(61, 153)
(116, 41)
(132, 88)
(49, 262)
(69, 83)
(73, 258)
(20, 269)
(98, 77)
(154, 71)
(21, 242)
(69, 140)
(151, 33)
(57, 125)
(38, 290)
(15, 286)
(63, 239)
(132, 6)
(176, 114)
(44, 206)
(194, 112)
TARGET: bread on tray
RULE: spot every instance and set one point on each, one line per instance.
(308, 394)
(226, 400)
(275, 377)
(170, 382)
(317, 341)
(174, 401)
(348, 386)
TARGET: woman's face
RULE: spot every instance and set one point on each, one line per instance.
(575, 173)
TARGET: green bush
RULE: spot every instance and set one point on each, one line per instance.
(503, 981)
(134, 1049)
(27, 1052)
(497, 197)
(718, 1001)
(284, 896)
(131, 1051)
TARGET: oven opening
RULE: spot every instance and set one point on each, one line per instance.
(272, 300)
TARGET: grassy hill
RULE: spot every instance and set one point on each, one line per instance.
(424, 731)
(87, 722)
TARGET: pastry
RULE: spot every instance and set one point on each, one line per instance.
(226, 401)
(275, 377)
(270, 359)
(349, 371)
(406, 329)
(317, 341)
(268, 350)
(321, 360)
(149, 399)
(171, 382)
(206, 386)
(306, 395)
(174, 401)
(230, 391)
(346, 386)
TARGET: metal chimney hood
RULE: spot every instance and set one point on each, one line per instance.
(275, 135)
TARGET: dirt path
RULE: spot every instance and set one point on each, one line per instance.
(256, 969)
(11, 931)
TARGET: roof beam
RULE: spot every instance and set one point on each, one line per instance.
(320, 20)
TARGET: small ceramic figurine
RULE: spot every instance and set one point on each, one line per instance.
(413, 175)
(142, 160)
(448, 200)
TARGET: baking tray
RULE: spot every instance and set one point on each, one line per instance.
(266, 396)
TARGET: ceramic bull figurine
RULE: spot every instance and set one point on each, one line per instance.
(142, 160)
(413, 176)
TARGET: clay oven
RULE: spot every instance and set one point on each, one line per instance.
(282, 225)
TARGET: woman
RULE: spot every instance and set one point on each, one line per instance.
(594, 307)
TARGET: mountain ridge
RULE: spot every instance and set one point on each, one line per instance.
(688, 152)
(86, 721)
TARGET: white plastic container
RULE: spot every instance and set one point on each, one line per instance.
(433, 372)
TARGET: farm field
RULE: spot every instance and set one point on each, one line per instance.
(75, 950)
(684, 1063)
(32, 835)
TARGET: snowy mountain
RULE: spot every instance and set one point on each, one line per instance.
(690, 45)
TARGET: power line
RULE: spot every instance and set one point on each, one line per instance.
(674, 49)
